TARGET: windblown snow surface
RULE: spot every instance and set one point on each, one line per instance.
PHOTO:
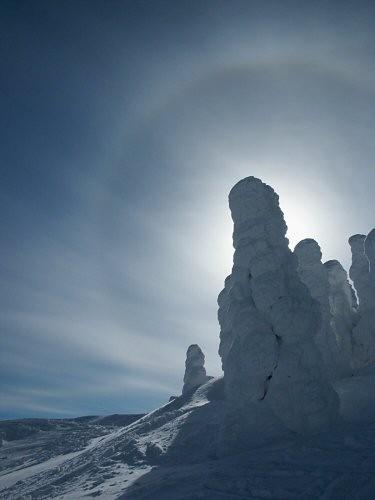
(171, 454)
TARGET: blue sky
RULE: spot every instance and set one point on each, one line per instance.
(124, 126)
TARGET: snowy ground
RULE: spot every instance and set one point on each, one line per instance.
(170, 454)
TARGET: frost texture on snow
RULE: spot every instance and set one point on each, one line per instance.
(195, 372)
(273, 370)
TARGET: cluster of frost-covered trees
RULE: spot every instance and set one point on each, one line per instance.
(291, 325)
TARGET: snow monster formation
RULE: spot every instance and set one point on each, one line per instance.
(274, 374)
(314, 275)
(359, 271)
(195, 372)
(362, 272)
(343, 309)
(328, 285)
(370, 254)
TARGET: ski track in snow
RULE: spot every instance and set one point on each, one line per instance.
(8, 479)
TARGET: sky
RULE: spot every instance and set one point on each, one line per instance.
(124, 126)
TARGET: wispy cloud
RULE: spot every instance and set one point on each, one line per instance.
(117, 234)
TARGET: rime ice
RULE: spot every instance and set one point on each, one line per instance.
(195, 372)
(269, 321)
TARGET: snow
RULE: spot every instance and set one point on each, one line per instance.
(276, 426)
(336, 463)
(7, 480)
(195, 372)
(328, 284)
(274, 373)
(362, 272)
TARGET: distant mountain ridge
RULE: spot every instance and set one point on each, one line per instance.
(14, 429)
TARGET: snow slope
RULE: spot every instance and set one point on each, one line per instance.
(171, 454)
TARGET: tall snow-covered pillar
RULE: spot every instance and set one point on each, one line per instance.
(343, 308)
(362, 272)
(359, 271)
(314, 275)
(269, 320)
(195, 372)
